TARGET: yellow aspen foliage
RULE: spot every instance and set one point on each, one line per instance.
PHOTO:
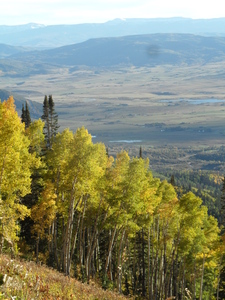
(43, 213)
(192, 215)
(57, 160)
(36, 136)
(15, 165)
(132, 195)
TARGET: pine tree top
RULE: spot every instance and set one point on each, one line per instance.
(25, 116)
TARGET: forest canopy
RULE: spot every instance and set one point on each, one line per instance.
(65, 202)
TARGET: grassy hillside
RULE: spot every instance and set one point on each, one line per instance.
(34, 107)
(136, 50)
(7, 50)
(27, 280)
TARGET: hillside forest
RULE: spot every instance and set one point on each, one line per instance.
(65, 202)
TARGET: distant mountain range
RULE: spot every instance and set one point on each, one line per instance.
(34, 49)
(139, 50)
(41, 36)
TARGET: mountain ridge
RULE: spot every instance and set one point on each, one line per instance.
(136, 50)
(49, 36)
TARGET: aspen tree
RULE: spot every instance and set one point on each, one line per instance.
(43, 214)
(15, 171)
(57, 160)
(36, 137)
(166, 216)
(210, 233)
(75, 164)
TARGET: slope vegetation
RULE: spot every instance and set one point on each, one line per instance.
(27, 280)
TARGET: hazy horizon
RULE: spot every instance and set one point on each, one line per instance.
(52, 12)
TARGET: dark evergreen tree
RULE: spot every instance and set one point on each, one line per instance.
(50, 118)
(53, 117)
(45, 119)
(25, 116)
(29, 201)
(140, 153)
(172, 180)
(107, 151)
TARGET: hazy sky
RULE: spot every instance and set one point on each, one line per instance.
(48, 12)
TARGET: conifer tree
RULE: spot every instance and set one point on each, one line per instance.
(45, 118)
(140, 153)
(50, 118)
(53, 117)
(25, 116)
(172, 180)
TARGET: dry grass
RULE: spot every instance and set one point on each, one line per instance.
(27, 280)
(116, 104)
